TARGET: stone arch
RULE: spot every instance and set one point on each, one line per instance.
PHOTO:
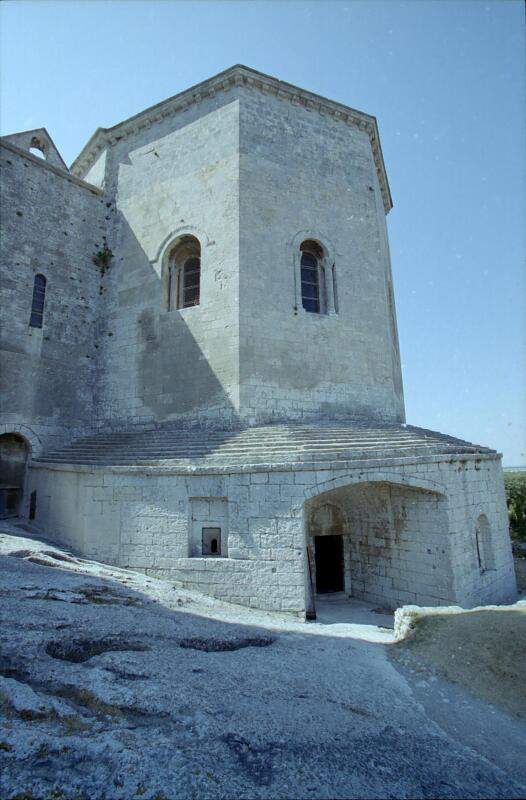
(327, 268)
(163, 250)
(35, 445)
(14, 458)
(161, 262)
(391, 528)
(376, 476)
(40, 145)
(317, 236)
(326, 519)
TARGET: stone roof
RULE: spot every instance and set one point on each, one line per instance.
(268, 444)
(238, 75)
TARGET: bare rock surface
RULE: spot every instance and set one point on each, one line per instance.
(114, 685)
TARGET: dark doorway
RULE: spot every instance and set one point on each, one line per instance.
(13, 460)
(329, 563)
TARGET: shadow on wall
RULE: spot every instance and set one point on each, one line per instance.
(153, 354)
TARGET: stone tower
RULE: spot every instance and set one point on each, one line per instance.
(200, 365)
(255, 171)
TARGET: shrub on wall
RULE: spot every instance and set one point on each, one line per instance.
(515, 483)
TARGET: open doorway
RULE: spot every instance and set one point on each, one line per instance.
(328, 554)
(14, 452)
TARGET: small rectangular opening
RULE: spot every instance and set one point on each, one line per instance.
(211, 539)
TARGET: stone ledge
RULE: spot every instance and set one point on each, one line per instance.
(318, 466)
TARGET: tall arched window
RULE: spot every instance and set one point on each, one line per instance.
(37, 305)
(184, 276)
(313, 289)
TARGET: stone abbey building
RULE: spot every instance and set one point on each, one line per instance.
(200, 367)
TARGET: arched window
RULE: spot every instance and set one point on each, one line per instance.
(485, 554)
(37, 305)
(184, 275)
(37, 148)
(313, 284)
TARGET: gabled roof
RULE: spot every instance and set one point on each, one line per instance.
(238, 75)
(39, 138)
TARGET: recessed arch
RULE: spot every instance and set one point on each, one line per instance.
(182, 273)
(376, 476)
(39, 147)
(484, 544)
(368, 535)
(168, 241)
(14, 457)
(314, 273)
(179, 261)
(34, 443)
(315, 235)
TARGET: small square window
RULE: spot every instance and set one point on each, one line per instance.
(211, 541)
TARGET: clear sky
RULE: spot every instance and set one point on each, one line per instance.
(446, 81)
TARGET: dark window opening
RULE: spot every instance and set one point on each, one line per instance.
(37, 305)
(211, 538)
(33, 505)
(183, 284)
(310, 284)
(191, 282)
(313, 293)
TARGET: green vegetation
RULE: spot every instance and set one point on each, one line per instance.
(102, 257)
(515, 484)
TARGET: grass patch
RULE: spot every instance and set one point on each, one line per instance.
(482, 651)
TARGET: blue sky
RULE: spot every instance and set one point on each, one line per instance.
(446, 81)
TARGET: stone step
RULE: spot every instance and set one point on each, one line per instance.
(190, 452)
(234, 442)
(264, 458)
(226, 448)
(240, 436)
(265, 444)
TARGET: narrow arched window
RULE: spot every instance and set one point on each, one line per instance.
(184, 274)
(484, 543)
(313, 289)
(37, 305)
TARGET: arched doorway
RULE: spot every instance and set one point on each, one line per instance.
(14, 454)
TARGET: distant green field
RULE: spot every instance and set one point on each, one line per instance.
(515, 484)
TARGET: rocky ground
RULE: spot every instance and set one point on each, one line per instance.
(116, 685)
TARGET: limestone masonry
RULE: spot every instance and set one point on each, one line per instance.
(200, 366)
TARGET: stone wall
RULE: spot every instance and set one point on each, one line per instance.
(141, 518)
(179, 176)
(52, 224)
(304, 175)
(250, 175)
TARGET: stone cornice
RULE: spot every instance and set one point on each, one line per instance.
(51, 167)
(238, 75)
